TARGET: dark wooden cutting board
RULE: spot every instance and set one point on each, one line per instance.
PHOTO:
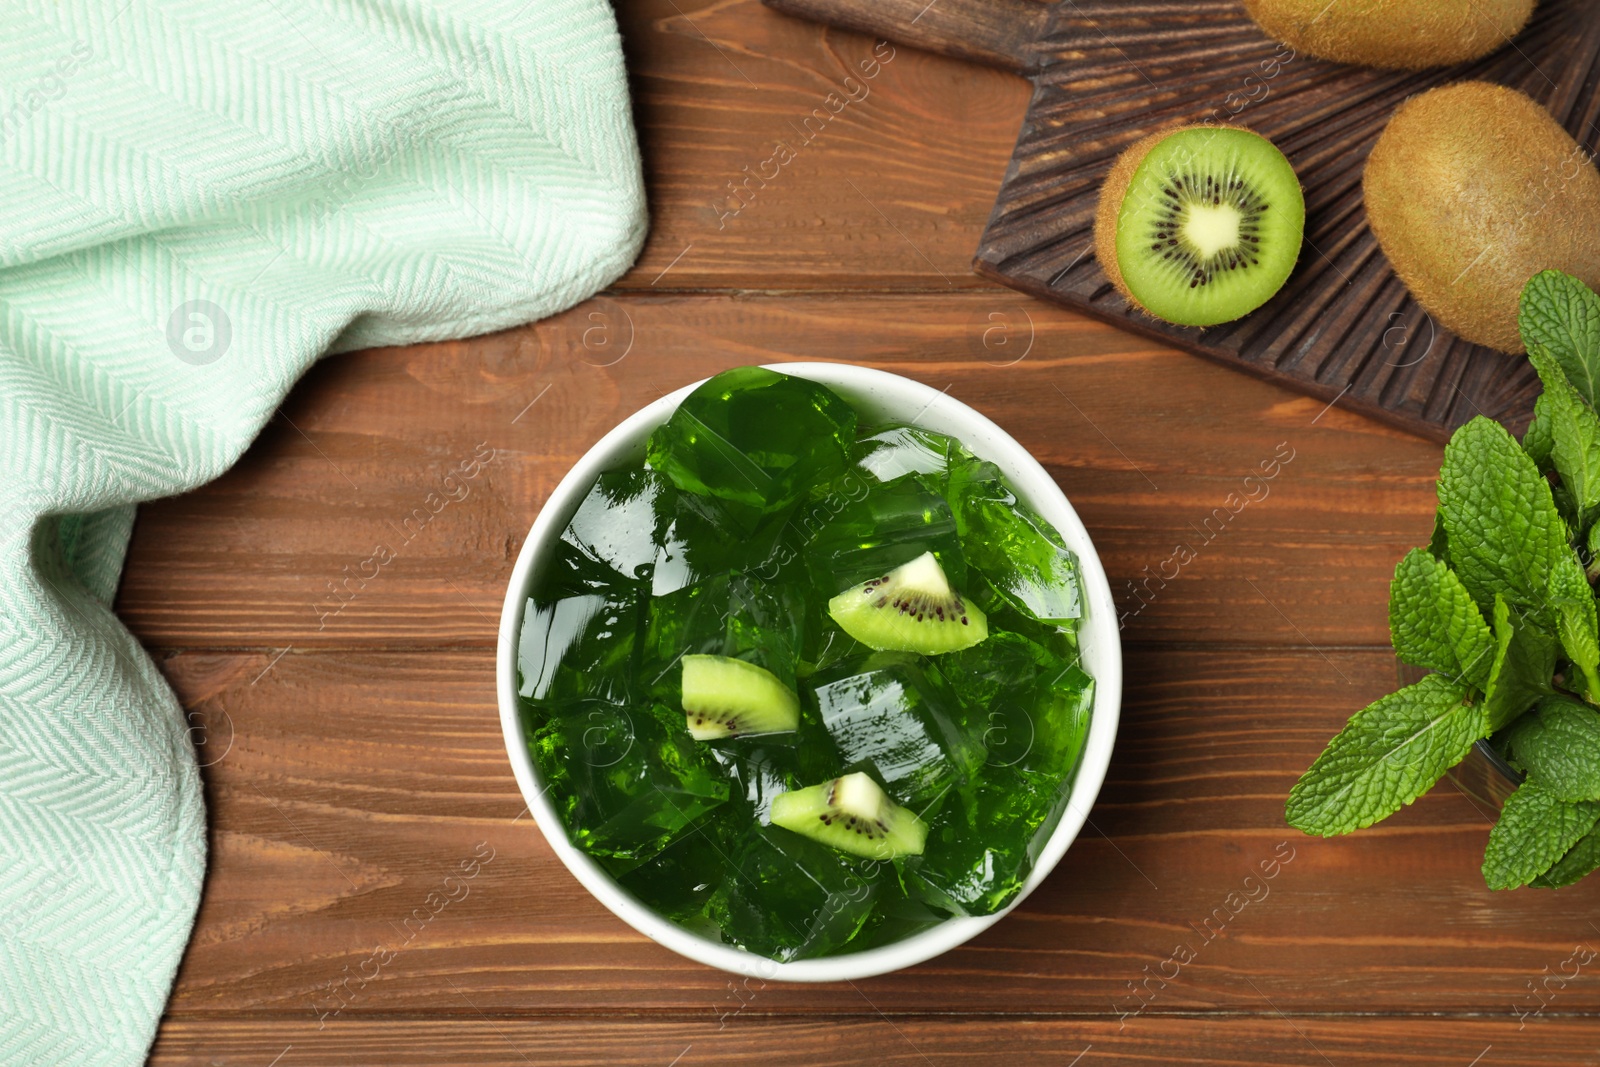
(1107, 72)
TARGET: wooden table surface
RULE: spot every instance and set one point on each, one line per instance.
(346, 715)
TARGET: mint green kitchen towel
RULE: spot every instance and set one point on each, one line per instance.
(198, 199)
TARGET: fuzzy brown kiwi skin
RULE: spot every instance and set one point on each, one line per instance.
(1115, 191)
(1393, 34)
(1472, 190)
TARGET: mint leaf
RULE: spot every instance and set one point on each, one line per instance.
(1390, 753)
(1439, 543)
(1560, 746)
(1524, 660)
(1538, 442)
(1536, 829)
(1562, 316)
(1433, 622)
(1505, 534)
(1574, 431)
(1576, 622)
(1581, 859)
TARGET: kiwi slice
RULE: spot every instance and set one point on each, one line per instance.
(910, 609)
(727, 697)
(1200, 225)
(854, 815)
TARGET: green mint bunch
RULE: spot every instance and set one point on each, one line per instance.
(1500, 607)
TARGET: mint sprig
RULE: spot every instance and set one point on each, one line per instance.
(1500, 605)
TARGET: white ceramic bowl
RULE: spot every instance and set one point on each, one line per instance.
(881, 398)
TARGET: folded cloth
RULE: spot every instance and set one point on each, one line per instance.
(198, 198)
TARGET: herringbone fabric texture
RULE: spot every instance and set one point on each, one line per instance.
(198, 198)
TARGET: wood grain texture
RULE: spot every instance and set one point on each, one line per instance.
(898, 1041)
(891, 179)
(346, 787)
(1152, 446)
(1107, 73)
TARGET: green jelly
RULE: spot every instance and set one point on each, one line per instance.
(702, 537)
(977, 858)
(678, 882)
(619, 523)
(892, 524)
(734, 615)
(787, 897)
(900, 450)
(580, 646)
(1022, 558)
(627, 781)
(755, 438)
(1035, 704)
(896, 718)
(758, 769)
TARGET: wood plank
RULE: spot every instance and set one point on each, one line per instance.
(881, 181)
(346, 787)
(914, 1042)
(1153, 448)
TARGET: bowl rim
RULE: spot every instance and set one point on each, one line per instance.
(1099, 633)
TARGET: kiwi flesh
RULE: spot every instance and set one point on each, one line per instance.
(727, 697)
(1200, 225)
(1394, 34)
(910, 609)
(1472, 190)
(852, 814)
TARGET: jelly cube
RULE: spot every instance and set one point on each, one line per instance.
(977, 858)
(895, 917)
(787, 897)
(755, 438)
(734, 615)
(892, 524)
(1035, 705)
(627, 780)
(900, 450)
(703, 537)
(1022, 557)
(580, 646)
(897, 718)
(678, 881)
(758, 769)
(620, 522)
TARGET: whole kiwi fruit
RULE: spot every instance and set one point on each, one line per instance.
(1397, 34)
(1473, 189)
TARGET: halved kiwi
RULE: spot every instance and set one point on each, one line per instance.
(727, 697)
(910, 609)
(852, 814)
(1200, 225)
